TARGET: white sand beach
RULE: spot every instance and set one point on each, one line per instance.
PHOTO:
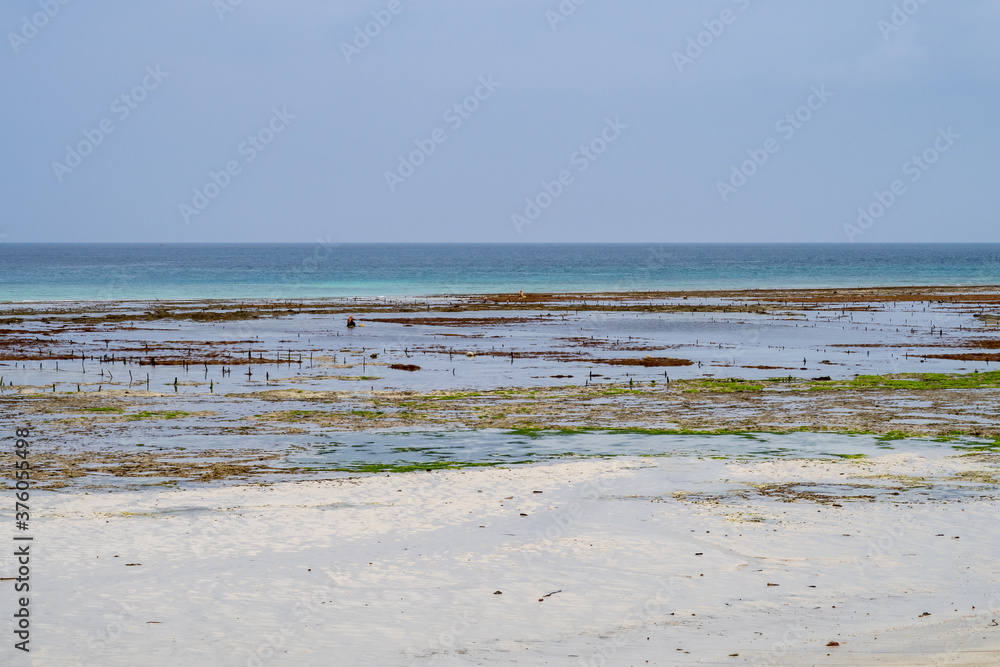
(626, 561)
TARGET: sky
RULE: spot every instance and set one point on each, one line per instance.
(521, 121)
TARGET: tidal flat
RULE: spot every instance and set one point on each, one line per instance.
(751, 477)
(209, 390)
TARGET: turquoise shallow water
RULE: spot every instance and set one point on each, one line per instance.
(103, 272)
(355, 450)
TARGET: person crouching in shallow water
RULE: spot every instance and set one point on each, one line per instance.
(350, 322)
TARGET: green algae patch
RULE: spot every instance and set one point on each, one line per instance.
(916, 381)
(924, 381)
(614, 391)
(455, 397)
(893, 435)
(167, 414)
(369, 414)
(725, 385)
(979, 446)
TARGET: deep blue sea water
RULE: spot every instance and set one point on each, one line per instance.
(37, 272)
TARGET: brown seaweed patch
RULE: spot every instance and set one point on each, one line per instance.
(613, 345)
(57, 469)
(795, 491)
(965, 356)
(404, 367)
(983, 343)
(461, 321)
(647, 362)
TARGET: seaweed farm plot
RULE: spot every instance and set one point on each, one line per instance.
(482, 342)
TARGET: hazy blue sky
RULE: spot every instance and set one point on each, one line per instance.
(184, 84)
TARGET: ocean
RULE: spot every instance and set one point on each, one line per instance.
(105, 272)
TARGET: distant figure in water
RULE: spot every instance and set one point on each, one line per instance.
(521, 294)
(350, 322)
